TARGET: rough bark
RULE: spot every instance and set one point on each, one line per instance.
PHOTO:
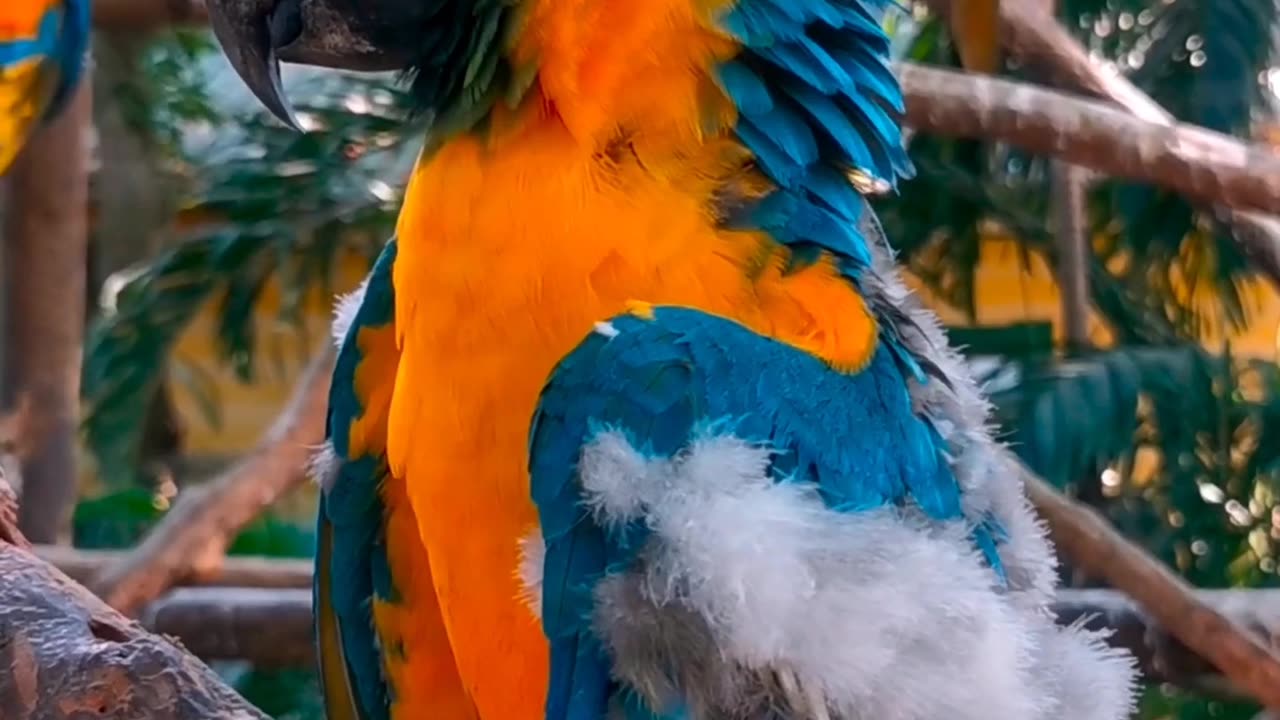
(1096, 548)
(1198, 163)
(196, 532)
(46, 245)
(1032, 35)
(66, 654)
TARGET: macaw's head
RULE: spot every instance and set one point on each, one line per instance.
(451, 47)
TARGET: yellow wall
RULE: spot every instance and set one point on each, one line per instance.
(1006, 293)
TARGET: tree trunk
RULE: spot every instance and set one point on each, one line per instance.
(46, 245)
(1071, 235)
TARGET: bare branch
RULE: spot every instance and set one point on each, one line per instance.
(235, 571)
(203, 522)
(1099, 550)
(1196, 162)
(1034, 36)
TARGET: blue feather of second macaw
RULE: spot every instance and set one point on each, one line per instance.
(61, 43)
(660, 382)
(73, 48)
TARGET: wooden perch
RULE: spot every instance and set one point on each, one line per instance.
(1045, 48)
(1201, 164)
(195, 534)
(1096, 548)
(235, 571)
(66, 654)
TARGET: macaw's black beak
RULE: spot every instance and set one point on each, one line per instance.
(361, 35)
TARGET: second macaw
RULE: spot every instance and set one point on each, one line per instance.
(634, 418)
(42, 55)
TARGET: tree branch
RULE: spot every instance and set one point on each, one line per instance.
(235, 571)
(197, 531)
(1032, 35)
(1098, 549)
(67, 655)
(1196, 162)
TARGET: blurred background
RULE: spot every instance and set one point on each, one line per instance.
(166, 346)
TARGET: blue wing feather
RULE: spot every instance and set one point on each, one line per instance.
(351, 510)
(855, 436)
(73, 46)
(816, 99)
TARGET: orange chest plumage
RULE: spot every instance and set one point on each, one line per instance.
(506, 261)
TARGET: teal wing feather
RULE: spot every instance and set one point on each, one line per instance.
(352, 545)
(817, 100)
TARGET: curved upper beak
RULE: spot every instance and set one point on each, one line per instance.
(362, 35)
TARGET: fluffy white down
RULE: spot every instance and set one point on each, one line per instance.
(983, 467)
(887, 617)
(344, 312)
(324, 465)
(529, 572)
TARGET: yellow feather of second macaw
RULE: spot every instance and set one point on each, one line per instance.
(24, 91)
(975, 26)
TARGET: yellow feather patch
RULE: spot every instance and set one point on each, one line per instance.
(24, 92)
(640, 309)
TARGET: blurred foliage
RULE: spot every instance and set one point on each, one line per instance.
(268, 206)
(1178, 444)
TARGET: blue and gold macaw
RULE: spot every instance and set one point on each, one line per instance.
(42, 55)
(635, 418)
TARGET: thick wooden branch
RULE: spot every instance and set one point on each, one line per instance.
(194, 535)
(1097, 549)
(65, 654)
(1201, 164)
(235, 571)
(46, 246)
